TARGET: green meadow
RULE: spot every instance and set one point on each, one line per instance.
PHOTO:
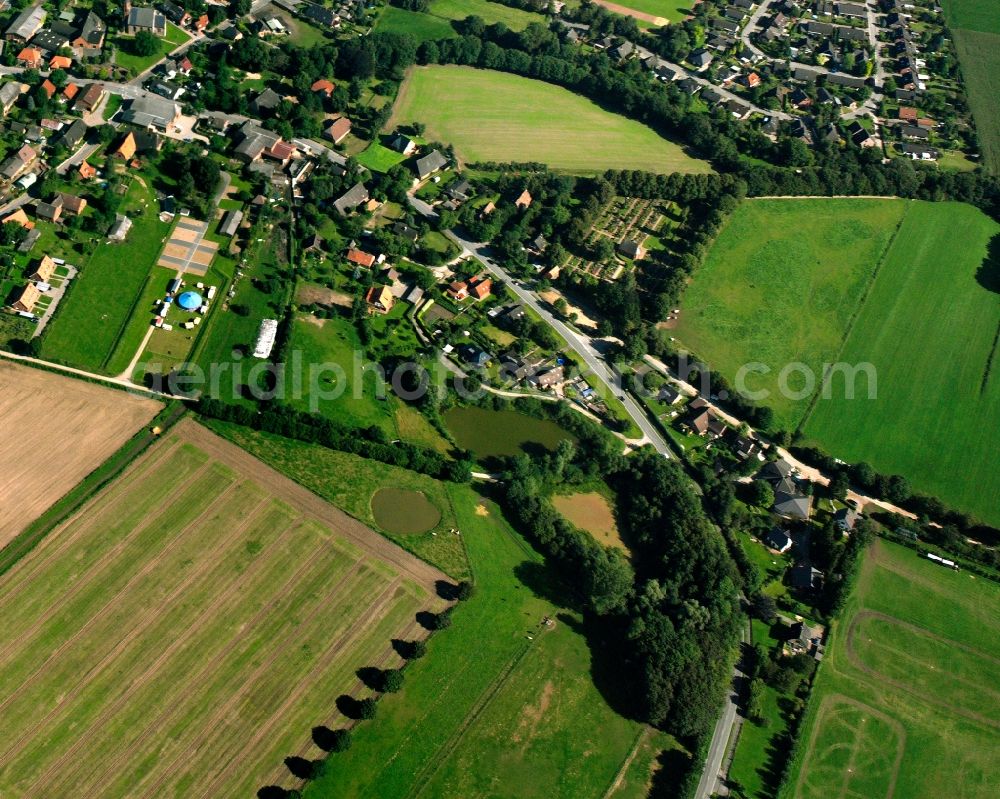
(496, 116)
(906, 702)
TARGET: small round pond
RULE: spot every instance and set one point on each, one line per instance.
(404, 512)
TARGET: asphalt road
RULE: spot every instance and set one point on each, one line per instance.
(583, 346)
(712, 781)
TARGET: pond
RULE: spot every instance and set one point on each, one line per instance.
(490, 434)
(404, 512)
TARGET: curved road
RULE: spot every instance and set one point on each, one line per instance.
(583, 346)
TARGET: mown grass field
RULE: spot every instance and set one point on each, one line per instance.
(435, 23)
(669, 10)
(495, 116)
(125, 58)
(184, 633)
(780, 285)
(332, 381)
(930, 327)
(349, 482)
(96, 316)
(491, 712)
(906, 702)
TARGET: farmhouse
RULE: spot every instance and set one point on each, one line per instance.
(26, 24)
(26, 299)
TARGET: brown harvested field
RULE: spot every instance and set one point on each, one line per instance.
(186, 630)
(54, 432)
(591, 512)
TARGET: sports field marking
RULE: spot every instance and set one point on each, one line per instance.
(858, 747)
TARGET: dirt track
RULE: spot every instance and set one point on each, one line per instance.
(54, 431)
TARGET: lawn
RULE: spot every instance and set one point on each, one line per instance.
(496, 116)
(101, 309)
(905, 703)
(930, 328)
(663, 10)
(979, 55)
(184, 633)
(377, 157)
(780, 285)
(349, 482)
(124, 58)
(501, 706)
(332, 381)
(435, 23)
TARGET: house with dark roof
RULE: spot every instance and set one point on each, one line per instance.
(265, 102)
(144, 19)
(151, 112)
(429, 164)
(846, 518)
(90, 34)
(791, 503)
(701, 59)
(318, 14)
(26, 24)
(351, 199)
(89, 98)
(777, 539)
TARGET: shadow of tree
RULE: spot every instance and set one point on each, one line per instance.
(988, 274)
(299, 767)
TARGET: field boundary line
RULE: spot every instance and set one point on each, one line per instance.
(277, 650)
(103, 563)
(191, 527)
(989, 362)
(616, 781)
(169, 714)
(312, 506)
(486, 698)
(855, 315)
(140, 628)
(316, 673)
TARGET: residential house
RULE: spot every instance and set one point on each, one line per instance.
(70, 90)
(846, 518)
(474, 356)
(9, 94)
(668, 395)
(120, 228)
(323, 86)
(338, 130)
(480, 288)
(265, 102)
(26, 24)
(30, 58)
(790, 502)
(458, 290)
(49, 211)
(351, 199)
(700, 59)
(174, 13)
(403, 144)
(319, 14)
(429, 164)
(90, 36)
(550, 378)
(380, 299)
(778, 540)
(49, 88)
(88, 100)
(165, 88)
(60, 62)
(523, 200)
(143, 19)
(45, 270)
(87, 172)
(805, 640)
(280, 151)
(71, 203)
(253, 140)
(918, 152)
(151, 112)
(71, 136)
(125, 148)
(19, 217)
(25, 302)
(361, 258)
(459, 190)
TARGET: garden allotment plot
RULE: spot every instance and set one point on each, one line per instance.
(184, 632)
